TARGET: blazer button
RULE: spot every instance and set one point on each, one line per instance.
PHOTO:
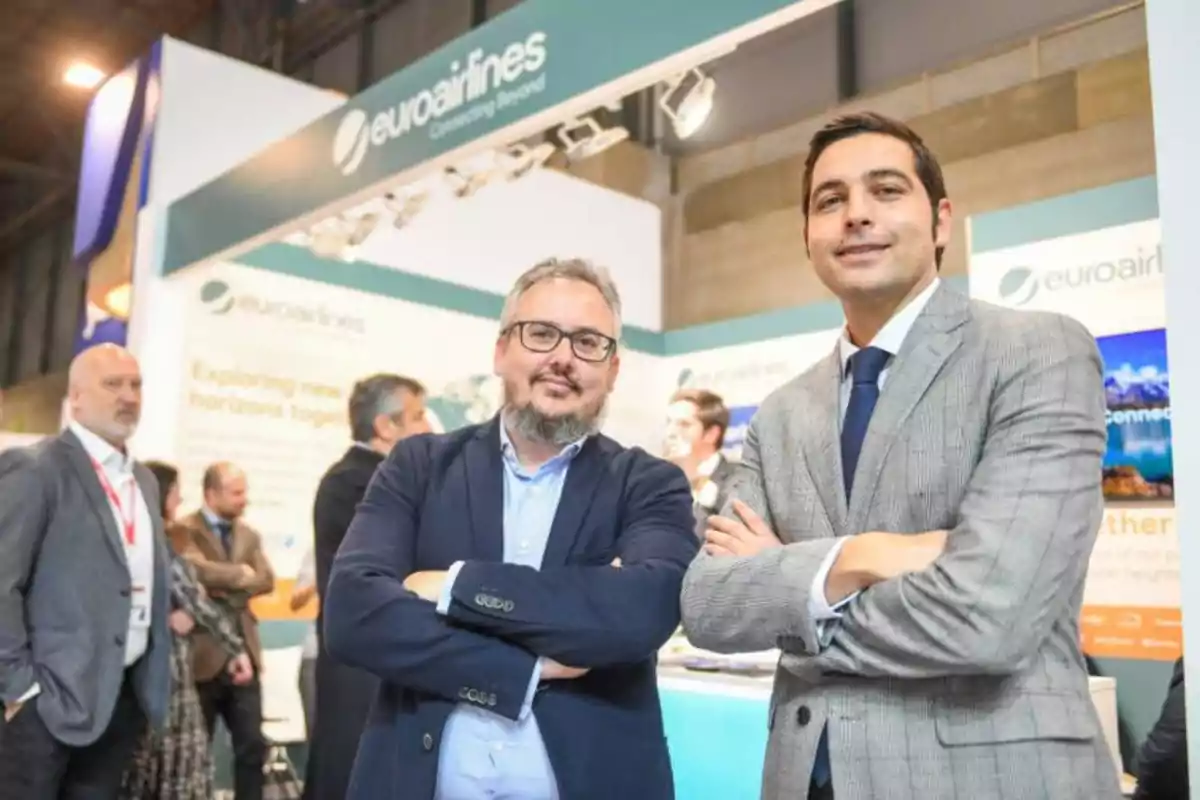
(427, 742)
(119, 640)
(124, 593)
(803, 715)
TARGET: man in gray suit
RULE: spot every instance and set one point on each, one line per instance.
(84, 589)
(914, 517)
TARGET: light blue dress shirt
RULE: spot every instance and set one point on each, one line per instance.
(483, 755)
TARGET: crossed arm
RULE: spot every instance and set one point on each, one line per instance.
(585, 616)
(1009, 568)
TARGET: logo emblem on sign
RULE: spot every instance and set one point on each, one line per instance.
(351, 141)
(1018, 286)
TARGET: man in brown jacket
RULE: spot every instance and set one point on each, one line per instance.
(229, 559)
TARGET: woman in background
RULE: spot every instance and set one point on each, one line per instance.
(177, 764)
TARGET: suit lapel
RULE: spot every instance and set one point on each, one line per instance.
(81, 465)
(933, 339)
(485, 492)
(819, 423)
(583, 477)
(200, 523)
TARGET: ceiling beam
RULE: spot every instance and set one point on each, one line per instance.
(12, 167)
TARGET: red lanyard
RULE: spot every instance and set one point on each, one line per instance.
(127, 519)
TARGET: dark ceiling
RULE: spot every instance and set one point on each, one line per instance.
(41, 118)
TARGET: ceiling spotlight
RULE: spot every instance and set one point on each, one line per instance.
(463, 184)
(328, 241)
(361, 227)
(584, 138)
(83, 75)
(404, 208)
(522, 158)
(688, 101)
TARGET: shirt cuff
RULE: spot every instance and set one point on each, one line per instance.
(447, 595)
(531, 692)
(36, 689)
(819, 609)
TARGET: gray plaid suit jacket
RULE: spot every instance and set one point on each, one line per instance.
(964, 681)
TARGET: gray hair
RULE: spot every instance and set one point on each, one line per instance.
(377, 395)
(573, 269)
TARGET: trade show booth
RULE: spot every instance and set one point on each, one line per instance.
(326, 238)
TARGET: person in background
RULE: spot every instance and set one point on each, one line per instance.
(914, 515)
(512, 582)
(1163, 760)
(304, 591)
(696, 423)
(383, 410)
(84, 594)
(177, 765)
(229, 560)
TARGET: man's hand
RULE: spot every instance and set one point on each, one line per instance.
(746, 537)
(426, 585)
(11, 710)
(553, 671)
(181, 622)
(241, 669)
(870, 558)
(247, 576)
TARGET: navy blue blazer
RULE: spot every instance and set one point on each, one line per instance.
(438, 499)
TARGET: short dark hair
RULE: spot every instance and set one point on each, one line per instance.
(926, 165)
(375, 395)
(710, 409)
(167, 477)
(213, 474)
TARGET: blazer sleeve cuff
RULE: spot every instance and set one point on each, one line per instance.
(447, 595)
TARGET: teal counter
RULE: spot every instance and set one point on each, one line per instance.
(716, 729)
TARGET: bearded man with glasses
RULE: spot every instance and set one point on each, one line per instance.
(511, 583)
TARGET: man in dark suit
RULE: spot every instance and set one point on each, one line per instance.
(383, 410)
(696, 423)
(1163, 760)
(512, 582)
(230, 562)
(84, 588)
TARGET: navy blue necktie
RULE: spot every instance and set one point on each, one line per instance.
(225, 530)
(865, 368)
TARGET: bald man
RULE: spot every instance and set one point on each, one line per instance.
(84, 587)
(229, 559)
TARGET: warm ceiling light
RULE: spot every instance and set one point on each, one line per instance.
(118, 300)
(83, 75)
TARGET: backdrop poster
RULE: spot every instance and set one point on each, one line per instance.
(1111, 280)
(266, 368)
(743, 375)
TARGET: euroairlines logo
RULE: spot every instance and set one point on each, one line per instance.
(218, 298)
(1020, 285)
(488, 81)
(351, 141)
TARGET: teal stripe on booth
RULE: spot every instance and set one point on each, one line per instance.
(1066, 215)
(363, 276)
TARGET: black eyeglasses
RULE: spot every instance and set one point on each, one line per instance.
(543, 337)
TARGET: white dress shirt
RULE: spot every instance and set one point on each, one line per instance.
(890, 338)
(139, 555)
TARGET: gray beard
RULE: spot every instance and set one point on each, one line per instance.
(560, 431)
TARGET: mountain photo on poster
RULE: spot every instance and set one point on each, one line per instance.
(1137, 388)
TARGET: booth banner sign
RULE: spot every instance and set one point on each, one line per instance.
(268, 363)
(532, 58)
(743, 375)
(1136, 559)
(1109, 279)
